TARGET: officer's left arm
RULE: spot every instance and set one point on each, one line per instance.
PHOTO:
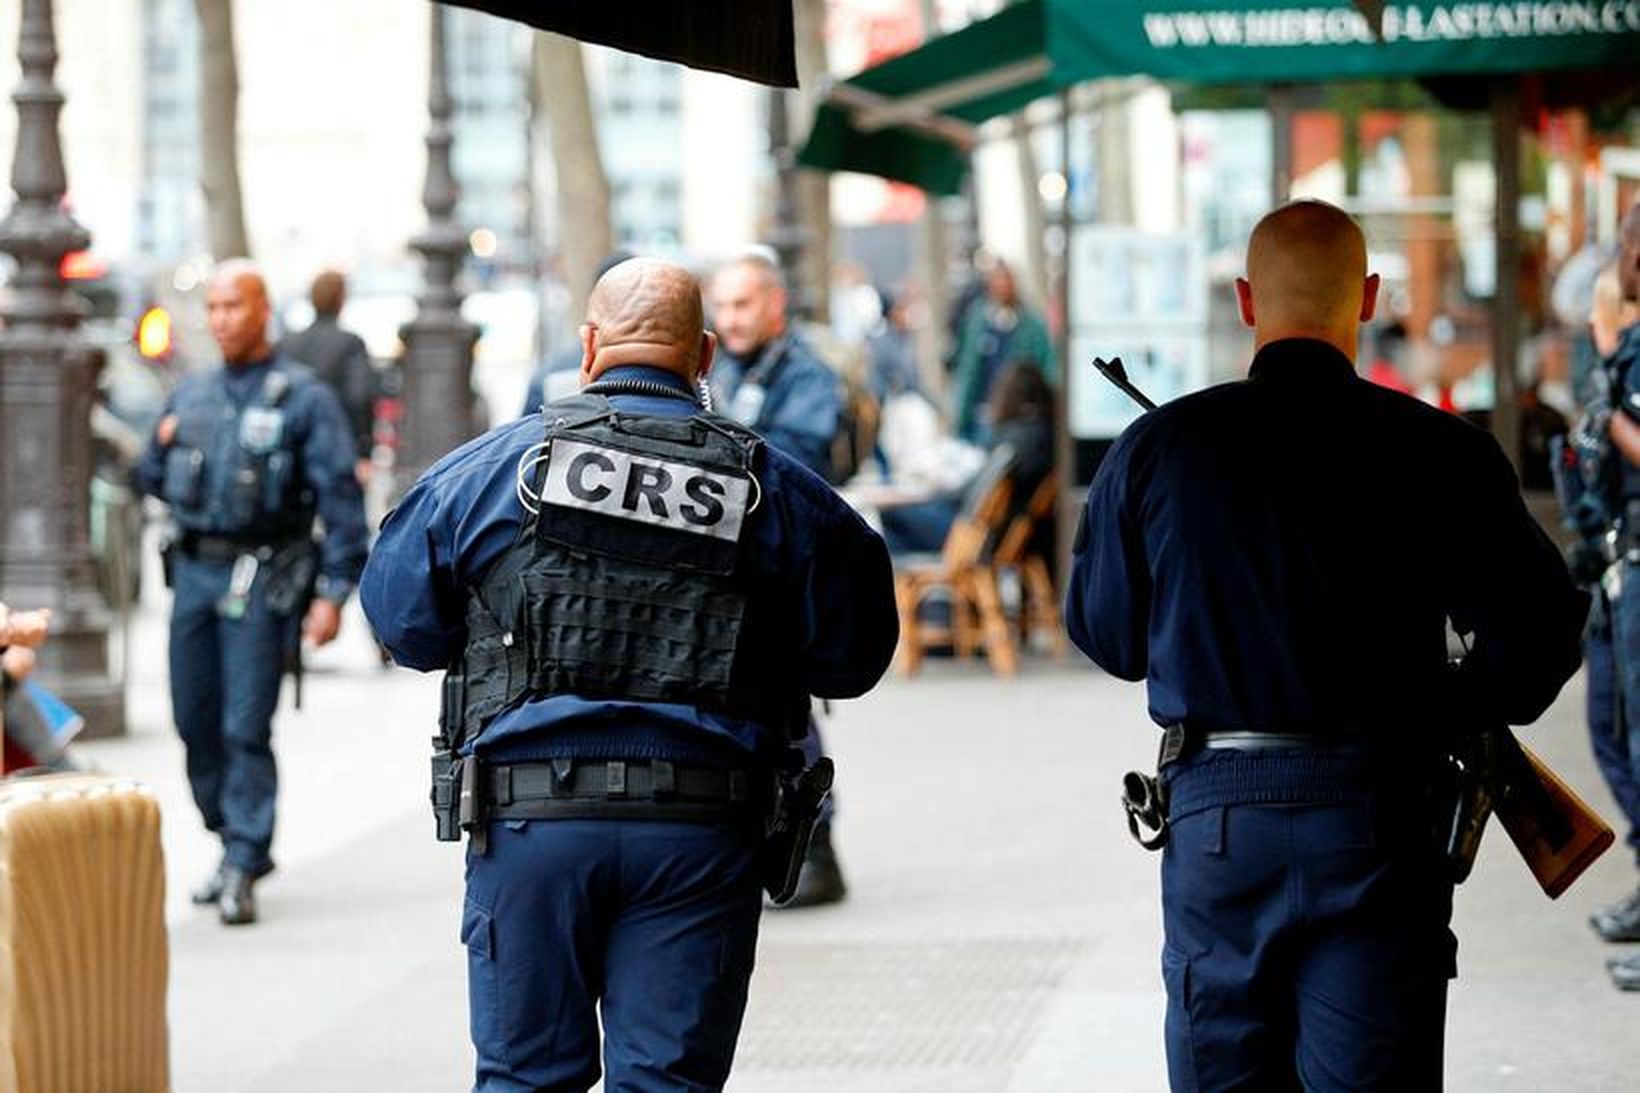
(1107, 599)
(327, 451)
(1510, 588)
(849, 619)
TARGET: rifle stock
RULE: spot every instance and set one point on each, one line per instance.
(1557, 833)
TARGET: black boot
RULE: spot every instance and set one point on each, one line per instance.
(821, 881)
(211, 890)
(1620, 921)
(1625, 973)
(237, 907)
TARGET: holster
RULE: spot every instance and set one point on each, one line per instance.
(786, 842)
(1144, 796)
(1463, 798)
(445, 794)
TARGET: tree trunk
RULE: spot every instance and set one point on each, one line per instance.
(933, 260)
(813, 187)
(561, 98)
(219, 131)
(1035, 274)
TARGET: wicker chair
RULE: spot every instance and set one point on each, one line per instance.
(963, 567)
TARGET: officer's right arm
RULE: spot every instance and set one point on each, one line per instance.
(457, 519)
(408, 589)
(148, 476)
(1107, 600)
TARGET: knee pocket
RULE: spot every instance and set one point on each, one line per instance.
(1180, 1027)
(488, 1026)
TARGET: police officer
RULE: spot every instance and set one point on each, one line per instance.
(247, 456)
(1622, 922)
(635, 599)
(1589, 476)
(1279, 558)
(772, 380)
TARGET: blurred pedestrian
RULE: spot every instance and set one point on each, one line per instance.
(999, 329)
(339, 358)
(1287, 602)
(891, 348)
(248, 457)
(25, 628)
(770, 379)
(636, 630)
(1623, 921)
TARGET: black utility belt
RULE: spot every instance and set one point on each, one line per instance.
(615, 780)
(227, 548)
(1145, 796)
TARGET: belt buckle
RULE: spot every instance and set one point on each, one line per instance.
(1174, 738)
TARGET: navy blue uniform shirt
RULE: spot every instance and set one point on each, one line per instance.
(464, 513)
(1280, 554)
(316, 430)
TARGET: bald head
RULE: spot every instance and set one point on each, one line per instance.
(1307, 277)
(1628, 254)
(645, 311)
(237, 312)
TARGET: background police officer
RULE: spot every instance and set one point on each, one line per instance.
(1622, 921)
(1279, 558)
(247, 456)
(770, 379)
(629, 667)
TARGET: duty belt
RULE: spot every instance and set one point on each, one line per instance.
(226, 548)
(655, 789)
(1144, 796)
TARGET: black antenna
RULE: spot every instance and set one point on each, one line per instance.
(1113, 371)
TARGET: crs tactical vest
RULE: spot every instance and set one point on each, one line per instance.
(232, 470)
(630, 580)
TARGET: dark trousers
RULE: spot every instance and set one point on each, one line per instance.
(1306, 948)
(1626, 652)
(1607, 733)
(653, 925)
(224, 688)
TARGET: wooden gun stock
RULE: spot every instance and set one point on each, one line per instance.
(1557, 833)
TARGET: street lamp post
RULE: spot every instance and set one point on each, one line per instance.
(789, 237)
(47, 381)
(438, 343)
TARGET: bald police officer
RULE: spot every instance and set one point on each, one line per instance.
(247, 457)
(1279, 559)
(635, 600)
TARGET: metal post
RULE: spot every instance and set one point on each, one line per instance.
(47, 383)
(789, 237)
(1506, 114)
(1064, 444)
(1282, 101)
(438, 343)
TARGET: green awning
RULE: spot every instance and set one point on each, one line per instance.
(912, 118)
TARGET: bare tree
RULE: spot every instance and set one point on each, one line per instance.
(813, 187)
(560, 97)
(219, 131)
(1036, 221)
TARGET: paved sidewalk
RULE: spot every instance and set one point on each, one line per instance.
(1002, 933)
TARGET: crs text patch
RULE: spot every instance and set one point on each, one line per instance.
(645, 489)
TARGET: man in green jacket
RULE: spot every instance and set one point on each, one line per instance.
(998, 330)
